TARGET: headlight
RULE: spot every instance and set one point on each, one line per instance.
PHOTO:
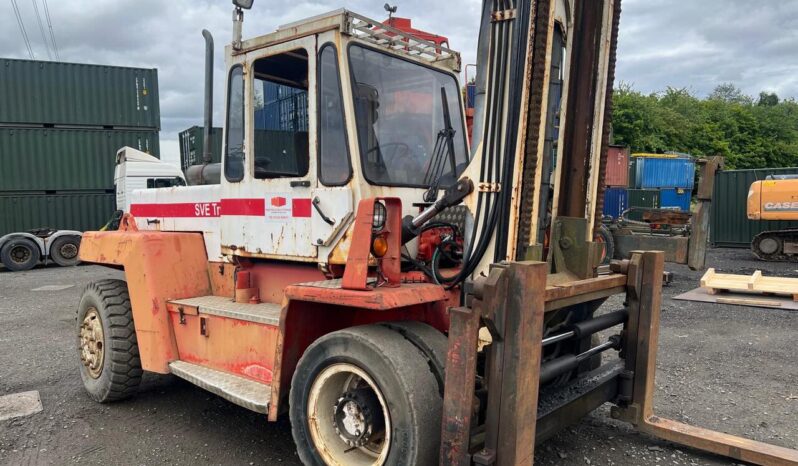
(380, 214)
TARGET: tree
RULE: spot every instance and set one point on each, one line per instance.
(748, 133)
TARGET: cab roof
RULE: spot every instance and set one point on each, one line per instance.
(362, 28)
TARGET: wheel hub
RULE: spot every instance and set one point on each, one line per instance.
(357, 416)
(92, 350)
(20, 254)
(68, 251)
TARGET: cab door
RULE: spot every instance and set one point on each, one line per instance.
(270, 153)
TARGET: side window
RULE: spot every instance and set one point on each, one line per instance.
(334, 166)
(281, 115)
(234, 145)
(164, 182)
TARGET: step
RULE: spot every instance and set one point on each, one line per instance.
(263, 313)
(246, 393)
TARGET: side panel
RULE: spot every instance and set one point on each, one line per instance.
(779, 200)
(158, 267)
(230, 345)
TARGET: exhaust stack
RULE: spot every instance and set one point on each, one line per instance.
(206, 144)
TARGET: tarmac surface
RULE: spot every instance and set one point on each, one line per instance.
(730, 368)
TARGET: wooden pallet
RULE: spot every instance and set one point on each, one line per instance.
(756, 283)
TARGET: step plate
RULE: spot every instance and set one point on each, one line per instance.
(263, 313)
(243, 392)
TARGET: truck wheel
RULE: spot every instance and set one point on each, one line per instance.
(109, 354)
(64, 250)
(20, 254)
(365, 396)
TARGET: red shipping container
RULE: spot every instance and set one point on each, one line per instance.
(617, 173)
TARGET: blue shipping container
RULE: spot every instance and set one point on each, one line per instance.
(653, 173)
(675, 198)
(616, 200)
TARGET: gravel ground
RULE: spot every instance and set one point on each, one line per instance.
(729, 368)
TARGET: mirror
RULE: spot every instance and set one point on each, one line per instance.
(245, 4)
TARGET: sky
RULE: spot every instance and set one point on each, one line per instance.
(678, 43)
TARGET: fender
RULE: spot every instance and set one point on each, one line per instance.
(158, 266)
(49, 240)
(39, 241)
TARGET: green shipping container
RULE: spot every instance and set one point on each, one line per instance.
(37, 159)
(646, 198)
(191, 144)
(54, 93)
(72, 211)
(730, 226)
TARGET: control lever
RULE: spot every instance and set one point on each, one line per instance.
(411, 226)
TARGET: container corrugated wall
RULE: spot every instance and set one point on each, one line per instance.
(617, 173)
(730, 225)
(54, 93)
(65, 159)
(615, 202)
(191, 141)
(653, 173)
(74, 211)
(675, 198)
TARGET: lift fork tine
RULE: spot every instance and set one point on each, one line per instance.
(644, 301)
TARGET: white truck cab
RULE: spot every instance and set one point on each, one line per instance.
(139, 170)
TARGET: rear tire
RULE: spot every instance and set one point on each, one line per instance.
(20, 254)
(371, 373)
(64, 250)
(109, 354)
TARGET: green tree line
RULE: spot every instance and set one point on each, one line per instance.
(749, 132)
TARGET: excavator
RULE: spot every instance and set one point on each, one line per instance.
(775, 198)
(403, 297)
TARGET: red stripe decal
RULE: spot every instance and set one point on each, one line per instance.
(244, 207)
(179, 210)
(300, 208)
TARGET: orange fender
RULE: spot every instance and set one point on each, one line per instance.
(159, 266)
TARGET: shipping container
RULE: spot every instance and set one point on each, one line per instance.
(675, 198)
(615, 202)
(672, 172)
(617, 172)
(54, 93)
(643, 198)
(71, 211)
(37, 159)
(730, 226)
(191, 145)
(632, 172)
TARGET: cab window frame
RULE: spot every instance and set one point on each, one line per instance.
(319, 140)
(226, 165)
(461, 116)
(303, 163)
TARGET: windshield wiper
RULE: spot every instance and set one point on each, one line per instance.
(444, 149)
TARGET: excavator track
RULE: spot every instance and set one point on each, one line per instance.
(776, 246)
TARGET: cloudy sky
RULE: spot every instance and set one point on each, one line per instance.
(678, 43)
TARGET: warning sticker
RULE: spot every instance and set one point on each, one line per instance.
(278, 207)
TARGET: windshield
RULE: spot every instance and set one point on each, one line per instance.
(399, 116)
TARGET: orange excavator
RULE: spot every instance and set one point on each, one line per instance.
(775, 198)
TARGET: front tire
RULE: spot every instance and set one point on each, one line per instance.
(365, 396)
(109, 355)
